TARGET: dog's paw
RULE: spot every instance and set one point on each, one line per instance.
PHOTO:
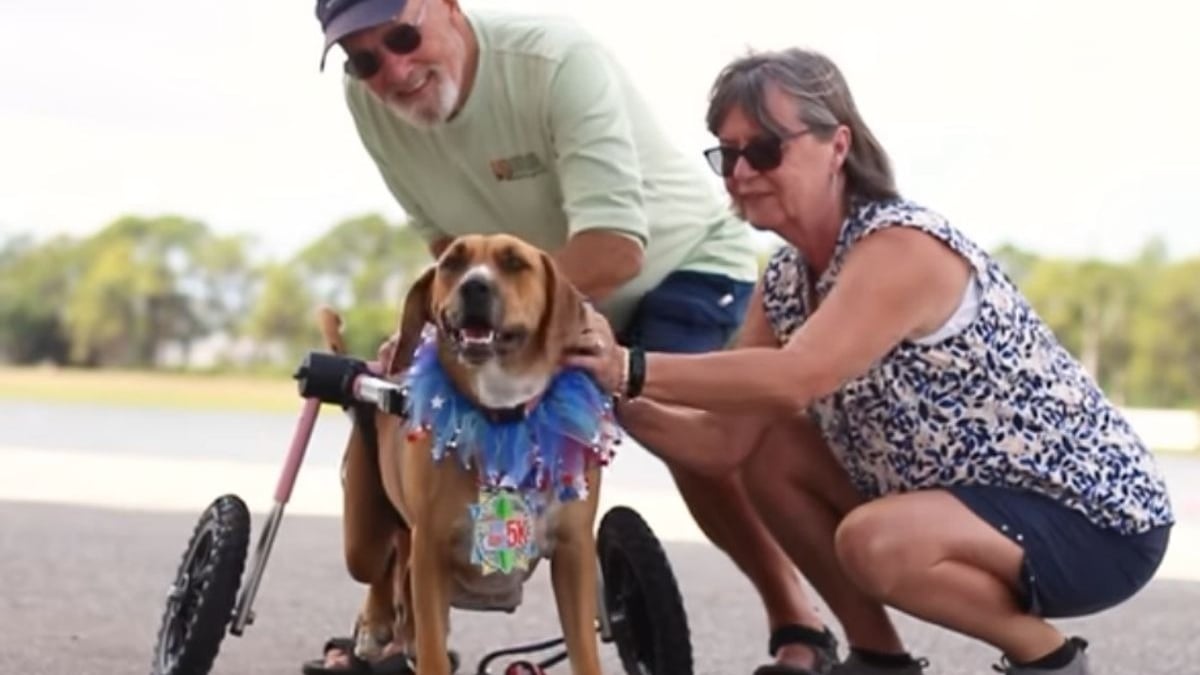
(370, 641)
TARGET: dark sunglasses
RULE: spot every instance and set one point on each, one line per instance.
(404, 38)
(762, 154)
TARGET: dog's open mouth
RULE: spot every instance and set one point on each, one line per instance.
(477, 341)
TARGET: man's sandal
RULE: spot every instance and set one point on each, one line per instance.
(823, 642)
(345, 646)
(398, 663)
(401, 663)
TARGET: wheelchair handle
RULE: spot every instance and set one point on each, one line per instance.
(345, 380)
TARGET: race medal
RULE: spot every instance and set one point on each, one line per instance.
(503, 531)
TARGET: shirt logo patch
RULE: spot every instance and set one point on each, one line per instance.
(517, 167)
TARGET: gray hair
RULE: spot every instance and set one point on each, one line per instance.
(825, 103)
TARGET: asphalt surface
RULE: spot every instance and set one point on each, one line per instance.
(83, 593)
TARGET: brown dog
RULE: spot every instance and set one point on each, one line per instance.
(501, 317)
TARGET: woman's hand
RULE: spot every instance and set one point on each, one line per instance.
(596, 351)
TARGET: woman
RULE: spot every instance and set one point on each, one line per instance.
(915, 435)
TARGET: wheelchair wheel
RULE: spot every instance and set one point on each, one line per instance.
(649, 624)
(202, 596)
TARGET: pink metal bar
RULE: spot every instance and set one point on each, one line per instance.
(304, 429)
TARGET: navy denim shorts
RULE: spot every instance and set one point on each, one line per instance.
(689, 312)
(1072, 567)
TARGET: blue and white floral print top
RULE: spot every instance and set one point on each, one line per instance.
(999, 403)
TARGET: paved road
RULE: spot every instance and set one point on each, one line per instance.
(83, 591)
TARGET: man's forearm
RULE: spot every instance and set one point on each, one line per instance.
(598, 262)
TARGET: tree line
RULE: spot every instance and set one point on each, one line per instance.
(155, 292)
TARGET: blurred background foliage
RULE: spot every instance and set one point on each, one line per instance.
(167, 293)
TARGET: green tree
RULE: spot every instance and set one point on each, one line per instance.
(222, 285)
(1089, 305)
(362, 267)
(34, 283)
(1016, 262)
(282, 316)
(170, 279)
(1165, 363)
(129, 300)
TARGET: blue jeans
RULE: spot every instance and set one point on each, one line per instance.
(1071, 566)
(689, 312)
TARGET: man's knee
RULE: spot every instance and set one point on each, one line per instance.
(698, 488)
(690, 312)
(777, 455)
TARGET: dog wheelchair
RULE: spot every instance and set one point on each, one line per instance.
(640, 608)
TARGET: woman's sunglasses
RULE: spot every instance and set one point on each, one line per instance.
(762, 154)
(404, 38)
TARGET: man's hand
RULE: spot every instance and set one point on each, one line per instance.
(596, 351)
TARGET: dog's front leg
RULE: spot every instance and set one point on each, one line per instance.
(430, 571)
(573, 573)
(403, 631)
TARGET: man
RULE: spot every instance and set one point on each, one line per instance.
(488, 122)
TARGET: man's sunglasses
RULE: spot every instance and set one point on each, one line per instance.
(404, 38)
(762, 154)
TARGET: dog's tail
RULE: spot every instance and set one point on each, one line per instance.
(330, 323)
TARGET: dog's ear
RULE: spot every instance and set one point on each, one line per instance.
(564, 317)
(417, 312)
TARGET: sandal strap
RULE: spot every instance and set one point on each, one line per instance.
(344, 644)
(792, 633)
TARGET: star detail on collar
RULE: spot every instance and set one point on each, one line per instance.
(437, 402)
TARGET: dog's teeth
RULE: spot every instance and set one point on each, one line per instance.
(479, 338)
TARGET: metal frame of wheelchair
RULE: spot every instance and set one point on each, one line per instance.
(640, 608)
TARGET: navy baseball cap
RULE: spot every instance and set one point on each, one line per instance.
(340, 18)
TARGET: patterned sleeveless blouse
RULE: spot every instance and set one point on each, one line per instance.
(999, 403)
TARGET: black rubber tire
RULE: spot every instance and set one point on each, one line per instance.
(645, 608)
(208, 577)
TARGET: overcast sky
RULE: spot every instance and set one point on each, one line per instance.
(1063, 126)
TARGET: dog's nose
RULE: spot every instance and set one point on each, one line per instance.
(474, 289)
(476, 296)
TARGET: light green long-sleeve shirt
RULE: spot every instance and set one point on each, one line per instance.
(554, 140)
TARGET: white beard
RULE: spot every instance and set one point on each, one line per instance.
(427, 111)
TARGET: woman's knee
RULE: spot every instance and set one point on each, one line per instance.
(869, 550)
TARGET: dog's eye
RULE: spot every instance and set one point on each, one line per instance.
(455, 260)
(512, 262)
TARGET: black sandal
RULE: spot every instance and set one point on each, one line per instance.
(398, 663)
(823, 642)
(344, 645)
(401, 663)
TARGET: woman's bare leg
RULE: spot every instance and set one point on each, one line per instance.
(961, 574)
